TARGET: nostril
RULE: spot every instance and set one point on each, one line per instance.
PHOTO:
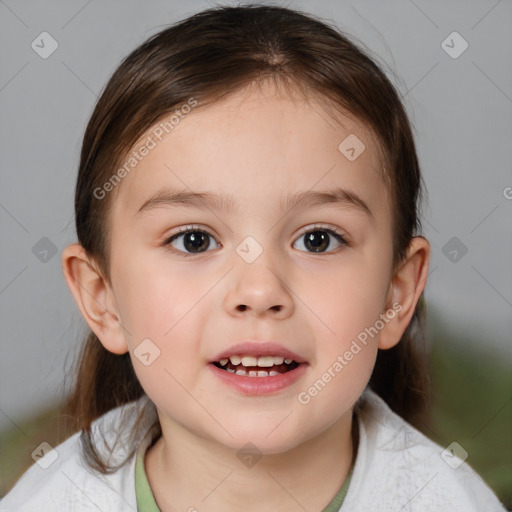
(243, 307)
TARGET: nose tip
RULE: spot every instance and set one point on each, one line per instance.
(259, 289)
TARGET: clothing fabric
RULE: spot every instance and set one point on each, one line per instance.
(396, 468)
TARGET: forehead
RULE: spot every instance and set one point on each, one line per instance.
(257, 142)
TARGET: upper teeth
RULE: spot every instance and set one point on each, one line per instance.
(264, 361)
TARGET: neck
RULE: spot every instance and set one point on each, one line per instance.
(187, 472)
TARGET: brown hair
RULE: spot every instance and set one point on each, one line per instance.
(206, 57)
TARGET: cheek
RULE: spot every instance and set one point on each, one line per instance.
(154, 297)
(155, 301)
(351, 301)
(167, 302)
(346, 296)
(160, 307)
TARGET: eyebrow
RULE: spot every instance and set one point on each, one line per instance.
(227, 202)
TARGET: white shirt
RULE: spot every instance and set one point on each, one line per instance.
(397, 469)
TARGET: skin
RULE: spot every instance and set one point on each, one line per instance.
(257, 144)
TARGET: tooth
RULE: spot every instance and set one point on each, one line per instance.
(272, 373)
(262, 373)
(248, 361)
(253, 373)
(223, 362)
(230, 370)
(235, 360)
(241, 372)
(266, 361)
(288, 361)
(278, 360)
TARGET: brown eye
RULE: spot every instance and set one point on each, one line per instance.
(319, 240)
(190, 241)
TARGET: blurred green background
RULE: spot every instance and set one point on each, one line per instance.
(472, 404)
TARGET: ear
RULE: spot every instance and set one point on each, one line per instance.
(94, 297)
(405, 290)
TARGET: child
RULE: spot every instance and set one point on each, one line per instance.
(250, 267)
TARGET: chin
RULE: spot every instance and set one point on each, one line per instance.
(263, 441)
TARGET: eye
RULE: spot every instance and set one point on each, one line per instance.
(190, 241)
(319, 239)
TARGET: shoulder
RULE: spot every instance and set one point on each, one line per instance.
(61, 480)
(399, 468)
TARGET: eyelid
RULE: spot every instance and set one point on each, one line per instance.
(332, 230)
(302, 231)
(186, 229)
(312, 227)
(306, 229)
(341, 236)
(168, 239)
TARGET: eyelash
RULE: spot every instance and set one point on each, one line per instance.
(327, 229)
(318, 227)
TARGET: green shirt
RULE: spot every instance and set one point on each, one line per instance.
(146, 501)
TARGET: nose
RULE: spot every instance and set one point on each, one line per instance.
(259, 290)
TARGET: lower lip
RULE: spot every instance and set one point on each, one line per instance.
(259, 385)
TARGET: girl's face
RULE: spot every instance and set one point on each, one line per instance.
(266, 189)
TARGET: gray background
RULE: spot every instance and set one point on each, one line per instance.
(461, 109)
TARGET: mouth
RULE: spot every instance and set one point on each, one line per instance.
(262, 368)
(252, 366)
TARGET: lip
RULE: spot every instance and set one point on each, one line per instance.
(259, 385)
(258, 349)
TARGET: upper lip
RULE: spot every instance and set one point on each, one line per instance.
(257, 349)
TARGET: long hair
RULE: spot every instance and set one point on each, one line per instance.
(207, 57)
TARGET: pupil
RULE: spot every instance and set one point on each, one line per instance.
(318, 240)
(196, 240)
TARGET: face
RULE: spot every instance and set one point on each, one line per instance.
(299, 281)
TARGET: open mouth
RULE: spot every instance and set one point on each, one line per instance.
(251, 366)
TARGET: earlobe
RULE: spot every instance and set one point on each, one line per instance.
(94, 297)
(405, 290)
